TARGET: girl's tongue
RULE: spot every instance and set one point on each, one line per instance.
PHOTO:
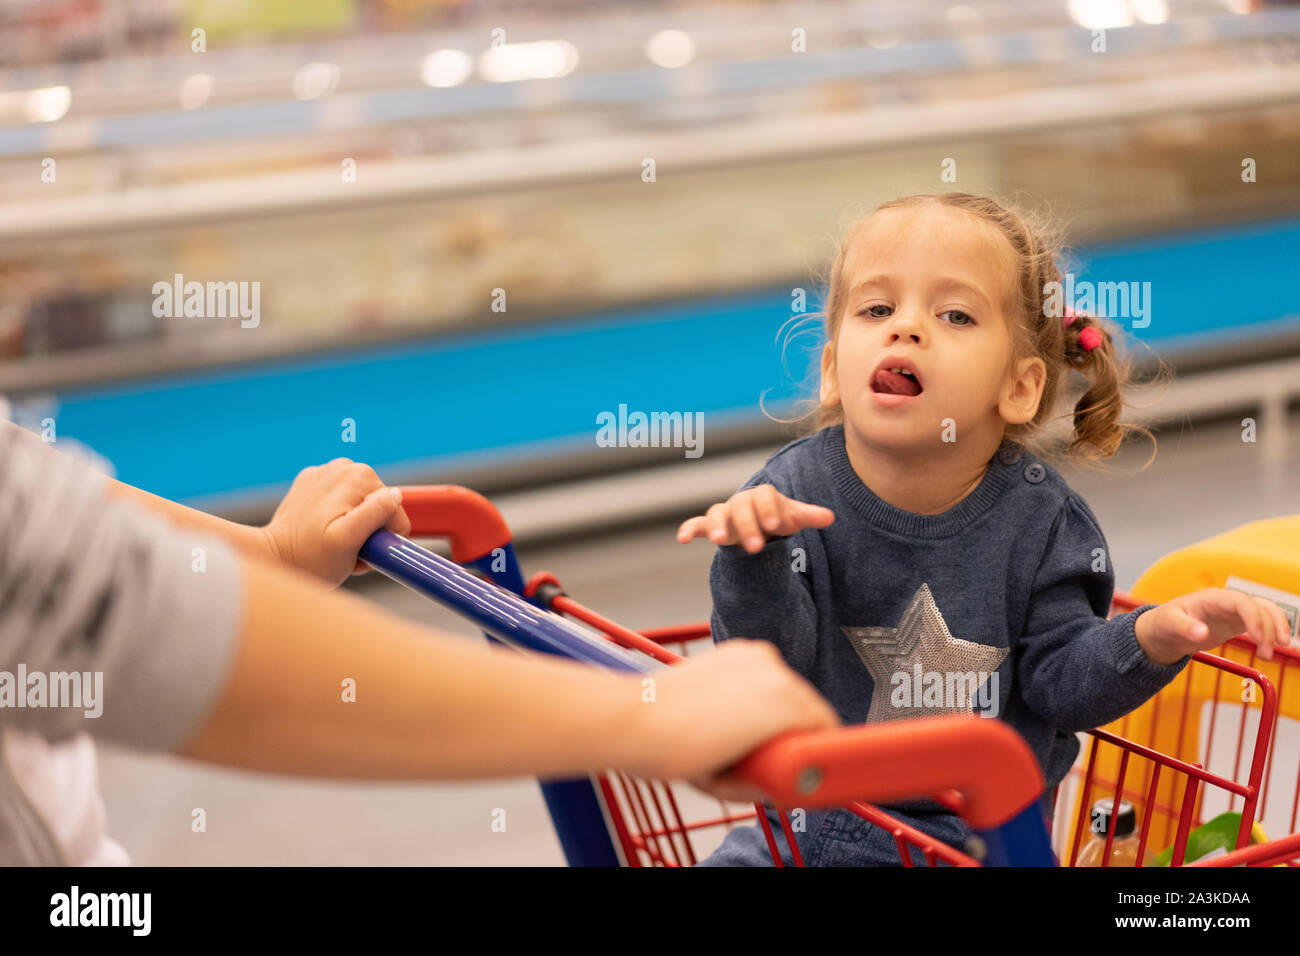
(895, 383)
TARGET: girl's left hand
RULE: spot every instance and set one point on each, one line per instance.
(1205, 619)
(328, 514)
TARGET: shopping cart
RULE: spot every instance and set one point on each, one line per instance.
(979, 768)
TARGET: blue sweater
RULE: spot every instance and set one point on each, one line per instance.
(997, 606)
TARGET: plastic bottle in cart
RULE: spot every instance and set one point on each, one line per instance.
(1124, 847)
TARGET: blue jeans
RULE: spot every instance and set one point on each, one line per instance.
(836, 837)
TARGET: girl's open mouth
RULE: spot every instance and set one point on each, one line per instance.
(895, 382)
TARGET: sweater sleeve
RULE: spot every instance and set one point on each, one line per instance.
(135, 619)
(1075, 667)
(767, 595)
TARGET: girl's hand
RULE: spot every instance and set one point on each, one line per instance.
(327, 515)
(709, 712)
(751, 515)
(1205, 619)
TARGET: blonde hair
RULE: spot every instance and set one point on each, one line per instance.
(1098, 431)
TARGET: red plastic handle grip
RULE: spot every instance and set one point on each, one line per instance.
(468, 520)
(984, 760)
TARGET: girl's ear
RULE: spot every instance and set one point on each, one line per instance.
(1023, 392)
(829, 392)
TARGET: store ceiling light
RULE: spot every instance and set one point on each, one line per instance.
(444, 68)
(195, 90)
(314, 80)
(670, 49)
(542, 60)
(44, 105)
(1100, 14)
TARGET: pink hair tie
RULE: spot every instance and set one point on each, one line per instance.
(1089, 337)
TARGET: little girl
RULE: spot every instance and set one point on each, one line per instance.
(913, 556)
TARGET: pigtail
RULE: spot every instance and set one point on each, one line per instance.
(1097, 432)
(1090, 349)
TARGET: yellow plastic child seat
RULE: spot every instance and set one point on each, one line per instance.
(1264, 552)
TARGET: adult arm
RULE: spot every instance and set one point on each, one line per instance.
(205, 652)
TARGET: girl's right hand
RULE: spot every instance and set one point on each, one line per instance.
(751, 515)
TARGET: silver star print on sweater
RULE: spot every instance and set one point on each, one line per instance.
(919, 669)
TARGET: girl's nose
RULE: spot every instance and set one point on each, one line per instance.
(904, 324)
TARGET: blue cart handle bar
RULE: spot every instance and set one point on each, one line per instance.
(506, 616)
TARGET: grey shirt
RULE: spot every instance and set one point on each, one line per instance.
(92, 585)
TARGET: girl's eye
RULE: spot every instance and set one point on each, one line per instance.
(878, 310)
(956, 312)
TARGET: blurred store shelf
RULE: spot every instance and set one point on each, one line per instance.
(480, 182)
(613, 157)
(489, 172)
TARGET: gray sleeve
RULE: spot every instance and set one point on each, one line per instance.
(1075, 667)
(760, 596)
(105, 606)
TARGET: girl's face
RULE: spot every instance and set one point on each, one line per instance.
(929, 287)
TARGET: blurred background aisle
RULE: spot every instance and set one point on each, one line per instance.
(453, 234)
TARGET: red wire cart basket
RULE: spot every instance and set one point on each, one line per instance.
(1171, 795)
(1206, 744)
